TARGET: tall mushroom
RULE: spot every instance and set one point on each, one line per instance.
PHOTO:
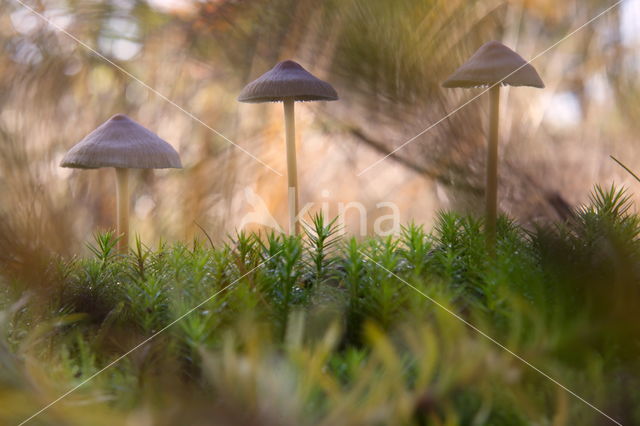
(493, 65)
(288, 82)
(123, 144)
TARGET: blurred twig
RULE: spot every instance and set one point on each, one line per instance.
(625, 167)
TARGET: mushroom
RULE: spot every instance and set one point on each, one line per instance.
(123, 144)
(493, 65)
(288, 82)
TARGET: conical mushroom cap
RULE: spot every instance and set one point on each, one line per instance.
(492, 63)
(121, 142)
(287, 80)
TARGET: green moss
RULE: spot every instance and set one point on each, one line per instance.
(292, 330)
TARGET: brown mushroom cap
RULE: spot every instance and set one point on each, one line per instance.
(495, 63)
(123, 143)
(287, 80)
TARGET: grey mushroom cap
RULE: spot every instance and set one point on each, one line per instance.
(287, 80)
(495, 63)
(121, 142)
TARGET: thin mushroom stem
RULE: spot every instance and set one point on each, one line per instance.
(492, 169)
(122, 192)
(292, 173)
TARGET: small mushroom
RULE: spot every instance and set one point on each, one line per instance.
(123, 144)
(288, 82)
(493, 65)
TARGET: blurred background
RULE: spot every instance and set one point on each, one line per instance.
(385, 58)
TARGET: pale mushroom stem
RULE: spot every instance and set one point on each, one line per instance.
(292, 173)
(492, 169)
(122, 190)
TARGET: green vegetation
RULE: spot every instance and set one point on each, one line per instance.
(323, 329)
